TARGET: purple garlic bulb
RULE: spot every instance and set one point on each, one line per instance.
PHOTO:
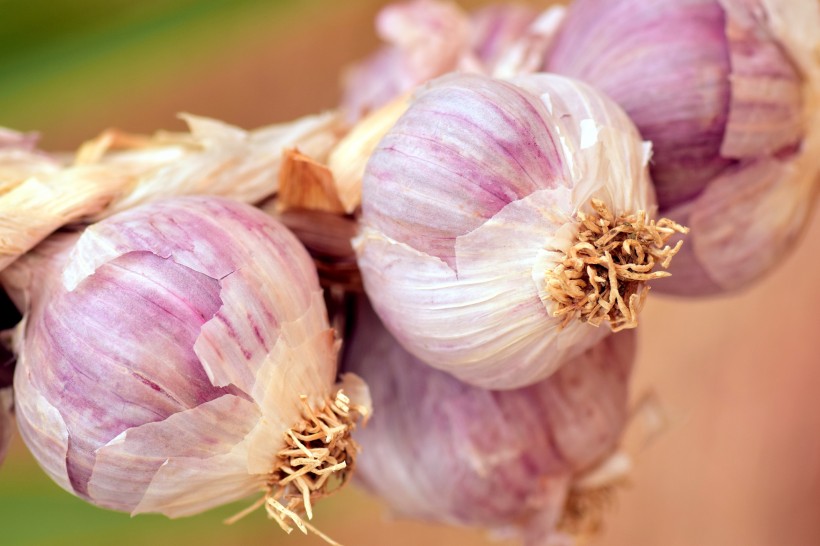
(502, 221)
(439, 450)
(173, 355)
(727, 92)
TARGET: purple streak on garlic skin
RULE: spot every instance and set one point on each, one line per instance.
(443, 451)
(153, 368)
(471, 198)
(466, 151)
(765, 115)
(740, 220)
(726, 90)
(154, 349)
(667, 64)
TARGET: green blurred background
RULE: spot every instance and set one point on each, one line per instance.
(739, 463)
(71, 69)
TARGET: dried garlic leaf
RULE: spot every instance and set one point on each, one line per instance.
(348, 159)
(304, 183)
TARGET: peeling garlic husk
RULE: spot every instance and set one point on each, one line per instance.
(118, 171)
(472, 206)
(172, 357)
(728, 91)
(348, 159)
(537, 462)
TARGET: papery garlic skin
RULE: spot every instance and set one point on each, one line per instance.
(213, 158)
(439, 450)
(467, 203)
(164, 351)
(117, 171)
(727, 91)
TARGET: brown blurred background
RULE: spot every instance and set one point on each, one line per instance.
(739, 377)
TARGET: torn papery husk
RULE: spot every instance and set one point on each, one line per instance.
(117, 171)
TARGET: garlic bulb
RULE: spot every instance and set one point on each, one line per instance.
(176, 357)
(440, 450)
(728, 93)
(494, 213)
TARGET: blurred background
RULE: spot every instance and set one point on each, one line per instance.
(739, 460)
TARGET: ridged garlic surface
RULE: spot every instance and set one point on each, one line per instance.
(474, 199)
(728, 91)
(164, 355)
(442, 451)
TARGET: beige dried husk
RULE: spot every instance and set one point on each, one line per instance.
(117, 171)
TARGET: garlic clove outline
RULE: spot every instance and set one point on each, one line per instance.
(495, 27)
(194, 415)
(429, 38)
(736, 146)
(471, 203)
(442, 451)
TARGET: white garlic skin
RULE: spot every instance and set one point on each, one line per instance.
(727, 91)
(163, 352)
(471, 198)
(439, 450)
